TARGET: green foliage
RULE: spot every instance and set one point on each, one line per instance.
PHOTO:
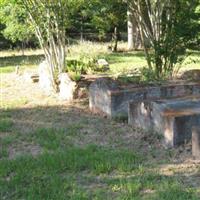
(99, 16)
(169, 28)
(75, 76)
(14, 17)
(147, 75)
(6, 125)
(107, 15)
(77, 66)
(179, 33)
(82, 65)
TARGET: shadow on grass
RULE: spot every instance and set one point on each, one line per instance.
(129, 54)
(118, 57)
(77, 162)
(20, 60)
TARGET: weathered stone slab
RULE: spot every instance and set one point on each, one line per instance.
(173, 118)
(112, 99)
(102, 62)
(196, 142)
(67, 87)
(45, 78)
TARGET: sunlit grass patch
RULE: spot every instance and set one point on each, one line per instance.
(10, 69)
(151, 185)
(10, 104)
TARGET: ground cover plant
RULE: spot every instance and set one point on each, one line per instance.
(53, 150)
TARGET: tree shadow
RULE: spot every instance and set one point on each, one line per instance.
(20, 60)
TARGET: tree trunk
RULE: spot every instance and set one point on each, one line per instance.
(22, 48)
(130, 27)
(115, 39)
(81, 30)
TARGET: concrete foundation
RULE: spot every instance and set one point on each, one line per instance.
(173, 118)
(196, 142)
(107, 96)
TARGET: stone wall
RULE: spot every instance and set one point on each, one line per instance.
(109, 97)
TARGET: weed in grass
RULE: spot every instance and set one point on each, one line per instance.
(121, 119)
(7, 140)
(6, 125)
(5, 114)
(176, 191)
(151, 185)
(52, 139)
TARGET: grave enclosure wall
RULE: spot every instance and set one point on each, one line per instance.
(108, 97)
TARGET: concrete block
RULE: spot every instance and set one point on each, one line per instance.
(196, 142)
(172, 118)
(107, 96)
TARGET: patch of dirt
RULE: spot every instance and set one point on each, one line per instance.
(24, 149)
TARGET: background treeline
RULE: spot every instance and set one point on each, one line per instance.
(94, 20)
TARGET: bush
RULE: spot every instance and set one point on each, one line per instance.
(82, 65)
(75, 76)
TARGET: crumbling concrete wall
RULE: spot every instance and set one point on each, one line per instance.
(172, 118)
(106, 96)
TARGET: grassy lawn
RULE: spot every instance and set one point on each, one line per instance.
(8, 64)
(119, 63)
(57, 151)
(71, 160)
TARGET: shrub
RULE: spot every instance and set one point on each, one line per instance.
(82, 65)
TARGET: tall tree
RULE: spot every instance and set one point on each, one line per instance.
(134, 41)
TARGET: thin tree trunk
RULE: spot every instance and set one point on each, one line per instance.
(115, 39)
(130, 30)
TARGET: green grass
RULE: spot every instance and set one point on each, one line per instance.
(65, 171)
(119, 63)
(152, 186)
(71, 173)
(5, 125)
(8, 63)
